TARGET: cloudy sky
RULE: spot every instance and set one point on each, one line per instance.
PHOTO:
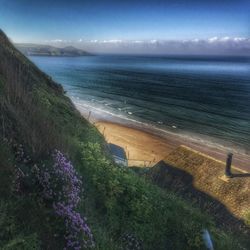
(131, 26)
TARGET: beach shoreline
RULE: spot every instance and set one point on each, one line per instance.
(145, 145)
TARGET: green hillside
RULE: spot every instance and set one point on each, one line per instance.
(45, 198)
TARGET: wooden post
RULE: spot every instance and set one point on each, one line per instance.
(228, 172)
(103, 133)
(89, 115)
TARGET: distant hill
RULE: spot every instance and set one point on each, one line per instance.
(47, 50)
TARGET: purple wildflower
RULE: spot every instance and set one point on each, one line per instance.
(17, 180)
(62, 186)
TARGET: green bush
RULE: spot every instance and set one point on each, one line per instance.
(247, 218)
(11, 235)
(23, 243)
(129, 204)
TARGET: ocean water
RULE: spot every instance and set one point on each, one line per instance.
(206, 98)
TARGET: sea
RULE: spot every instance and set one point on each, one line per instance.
(206, 98)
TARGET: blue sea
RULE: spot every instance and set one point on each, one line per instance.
(204, 98)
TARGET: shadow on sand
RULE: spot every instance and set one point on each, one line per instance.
(241, 175)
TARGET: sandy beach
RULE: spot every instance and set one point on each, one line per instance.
(145, 146)
(142, 148)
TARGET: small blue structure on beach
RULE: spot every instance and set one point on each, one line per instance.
(119, 154)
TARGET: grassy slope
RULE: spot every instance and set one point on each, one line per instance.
(116, 200)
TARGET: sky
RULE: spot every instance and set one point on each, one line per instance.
(130, 25)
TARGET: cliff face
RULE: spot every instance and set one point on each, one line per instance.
(35, 119)
(15, 67)
(29, 98)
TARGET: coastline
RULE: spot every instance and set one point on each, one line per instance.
(146, 145)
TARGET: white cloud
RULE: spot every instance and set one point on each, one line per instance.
(239, 39)
(112, 41)
(153, 41)
(226, 38)
(213, 45)
(137, 41)
(57, 41)
(196, 40)
(213, 39)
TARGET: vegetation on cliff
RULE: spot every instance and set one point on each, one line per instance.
(43, 205)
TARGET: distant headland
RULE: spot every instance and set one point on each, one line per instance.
(29, 49)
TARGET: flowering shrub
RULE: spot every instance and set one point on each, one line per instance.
(130, 242)
(17, 180)
(62, 186)
(23, 160)
(20, 155)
